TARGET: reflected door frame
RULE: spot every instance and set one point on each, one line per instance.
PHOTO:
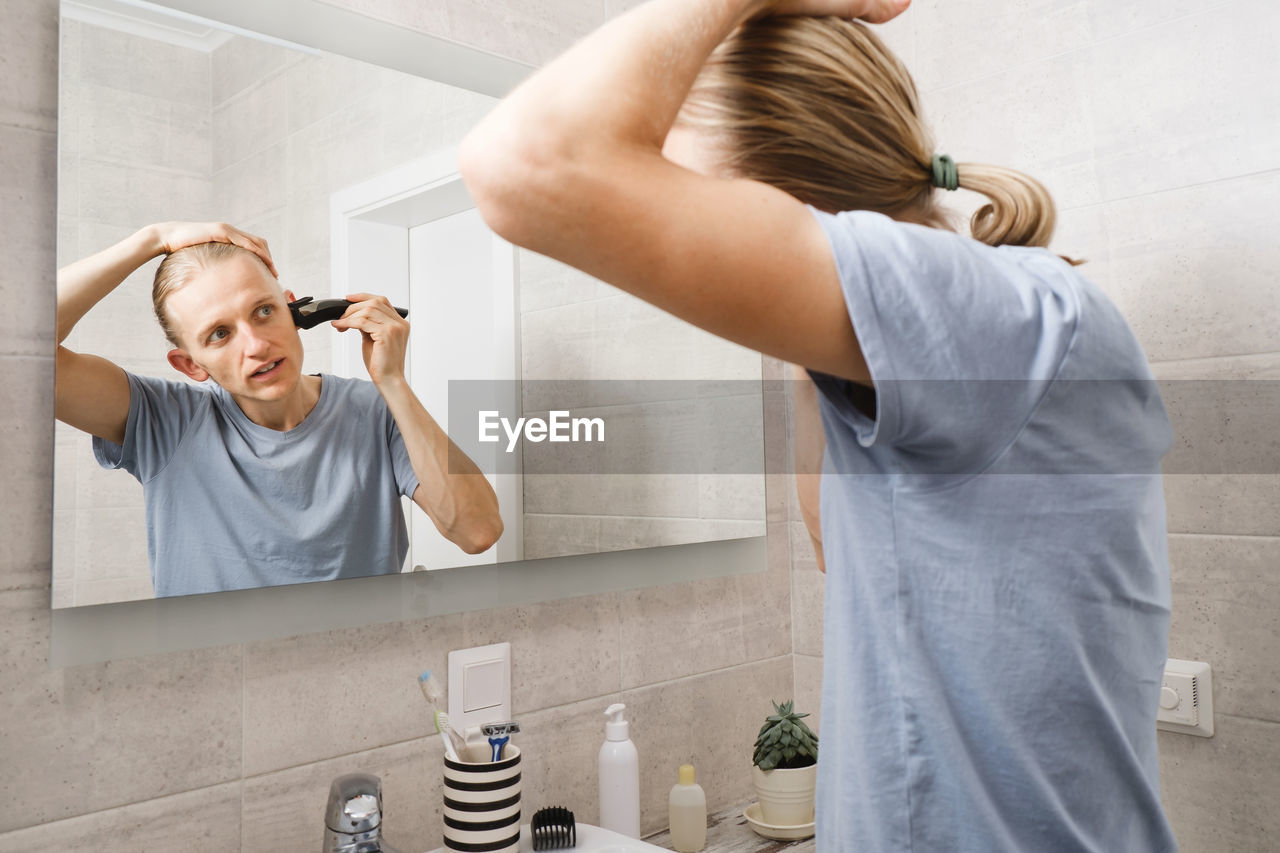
(371, 231)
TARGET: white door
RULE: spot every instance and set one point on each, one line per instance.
(414, 235)
(462, 294)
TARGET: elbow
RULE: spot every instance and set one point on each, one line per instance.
(481, 535)
(514, 180)
(493, 178)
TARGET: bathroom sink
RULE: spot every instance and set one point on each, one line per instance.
(591, 839)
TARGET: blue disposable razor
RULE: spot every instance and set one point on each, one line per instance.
(499, 734)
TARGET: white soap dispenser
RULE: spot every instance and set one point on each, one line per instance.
(619, 776)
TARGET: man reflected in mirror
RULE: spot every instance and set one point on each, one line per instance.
(260, 475)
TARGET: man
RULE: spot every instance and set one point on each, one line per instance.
(261, 475)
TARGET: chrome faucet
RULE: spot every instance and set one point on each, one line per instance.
(353, 817)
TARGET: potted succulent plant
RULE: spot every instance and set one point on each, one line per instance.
(785, 767)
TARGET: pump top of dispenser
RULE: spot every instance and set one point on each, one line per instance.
(686, 774)
(617, 728)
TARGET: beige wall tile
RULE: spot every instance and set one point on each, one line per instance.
(1261, 366)
(560, 750)
(1107, 19)
(710, 721)
(111, 544)
(561, 651)
(731, 496)
(131, 196)
(26, 433)
(243, 62)
(252, 121)
(546, 283)
(560, 535)
(114, 589)
(98, 736)
(1226, 611)
(534, 32)
(808, 690)
(125, 61)
(202, 821)
(29, 47)
(120, 125)
(1166, 123)
(1218, 792)
(285, 810)
(955, 45)
(1191, 268)
(28, 169)
(321, 695)
(1036, 120)
(624, 494)
(766, 601)
(680, 630)
(319, 86)
(1239, 504)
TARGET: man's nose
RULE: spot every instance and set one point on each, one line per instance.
(255, 343)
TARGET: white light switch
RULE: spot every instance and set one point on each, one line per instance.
(483, 685)
(1186, 698)
(479, 686)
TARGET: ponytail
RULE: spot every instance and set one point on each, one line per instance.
(1020, 211)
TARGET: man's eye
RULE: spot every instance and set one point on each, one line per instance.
(217, 335)
(266, 310)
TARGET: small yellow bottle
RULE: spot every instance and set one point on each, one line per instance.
(688, 806)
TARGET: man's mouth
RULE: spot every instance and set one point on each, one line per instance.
(267, 368)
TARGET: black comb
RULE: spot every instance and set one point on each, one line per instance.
(553, 828)
(307, 313)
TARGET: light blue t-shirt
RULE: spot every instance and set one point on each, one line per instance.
(997, 589)
(231, 504)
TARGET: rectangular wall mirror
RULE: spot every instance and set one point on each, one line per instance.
(275, 120)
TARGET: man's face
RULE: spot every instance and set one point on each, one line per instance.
(233, 324)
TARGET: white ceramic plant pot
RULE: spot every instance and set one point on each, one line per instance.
(786, 794)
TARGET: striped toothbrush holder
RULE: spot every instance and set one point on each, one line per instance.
(482, 804)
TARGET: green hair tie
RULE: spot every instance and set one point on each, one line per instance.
(945, 175)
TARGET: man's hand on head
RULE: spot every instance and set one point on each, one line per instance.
(171, 236)
(384, 335)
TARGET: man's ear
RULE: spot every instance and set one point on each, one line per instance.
(185, 364)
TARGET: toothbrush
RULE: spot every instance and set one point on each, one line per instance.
(433, 693)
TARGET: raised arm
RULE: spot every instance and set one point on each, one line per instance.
(570, 165)
(452, 491)
(92, 394)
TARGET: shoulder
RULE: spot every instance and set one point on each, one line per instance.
(351, 396)
(174, 391)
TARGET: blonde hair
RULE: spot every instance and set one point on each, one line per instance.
(821, 109)
(179, 267)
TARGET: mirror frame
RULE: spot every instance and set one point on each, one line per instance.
(103, 632)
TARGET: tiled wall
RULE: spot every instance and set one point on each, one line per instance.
(234, 747)
(1153, 126)
(575, 327)
(133, 148)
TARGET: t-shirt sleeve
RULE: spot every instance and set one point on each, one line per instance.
(961, 344)
(161, 413)
(406, 477)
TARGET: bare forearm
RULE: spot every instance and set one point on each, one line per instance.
(85, 283)
(451, 488)
(626, 81)
(599, 112)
